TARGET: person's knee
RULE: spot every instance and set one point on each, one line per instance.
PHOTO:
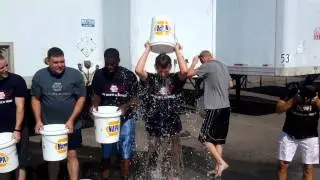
(283, 165)
(72, 155)
(307, 168)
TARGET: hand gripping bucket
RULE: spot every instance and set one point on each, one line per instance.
(162, 37)
(107, 124)
(8, 153)
(54, 142)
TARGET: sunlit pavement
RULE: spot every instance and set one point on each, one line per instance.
(251, 151)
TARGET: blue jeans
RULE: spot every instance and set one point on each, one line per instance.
(126, 144)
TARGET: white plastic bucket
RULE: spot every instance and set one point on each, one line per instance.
(162, 38)
(107, 124)
(8, 153)
(54, 142)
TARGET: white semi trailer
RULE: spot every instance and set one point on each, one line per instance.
(269, 37)
(85, 28)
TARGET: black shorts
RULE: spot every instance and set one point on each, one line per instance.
(22, 148)
(215, 126)
(75, 140)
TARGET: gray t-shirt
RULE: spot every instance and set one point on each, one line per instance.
(58, 94)
(216, 84)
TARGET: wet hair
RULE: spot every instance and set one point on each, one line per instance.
(55, 52)
(163, 61)
(112, 53)
(205, 53)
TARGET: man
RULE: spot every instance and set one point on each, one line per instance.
(300, 130)
(162, 103)
(58, 95)
(114, 85)
(215, 127)
(13, 90)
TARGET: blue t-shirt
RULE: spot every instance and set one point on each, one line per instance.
(58, 94)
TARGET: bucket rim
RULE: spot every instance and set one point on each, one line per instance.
(54, 132)
(99, 114)
(8, 144)
(7, 140)
(163, 43)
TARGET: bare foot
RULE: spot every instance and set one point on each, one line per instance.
(212, 172)
(221, 167)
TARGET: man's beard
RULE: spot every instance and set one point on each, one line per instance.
(3, 76)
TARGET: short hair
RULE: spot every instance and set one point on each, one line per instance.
(205, 53)
(112, 53)
(163, 61)
(55, 52)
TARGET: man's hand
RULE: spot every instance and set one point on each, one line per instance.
(147, 46)
(195, 60)
(69, 126)
(178, 47)
(16, 136)
(38, 127)
(123, 109)
(316, 101)
(93, 108)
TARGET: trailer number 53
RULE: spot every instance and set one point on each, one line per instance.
(285, 58)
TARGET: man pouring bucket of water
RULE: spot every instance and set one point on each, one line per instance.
(162, 100)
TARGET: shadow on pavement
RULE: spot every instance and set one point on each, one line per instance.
(253, 107)
(276, 91)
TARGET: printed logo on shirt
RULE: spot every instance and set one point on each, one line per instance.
(164, 91)
(62, 145)
(5, 97)
(3, 160)
(2, 95)
(57, 87)
(113, 127)
(114, 90)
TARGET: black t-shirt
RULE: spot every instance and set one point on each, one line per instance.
(116, 89)
(162, 98)
(302, 121)
(11, 87)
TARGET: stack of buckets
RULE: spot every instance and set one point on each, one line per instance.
(162, 37)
